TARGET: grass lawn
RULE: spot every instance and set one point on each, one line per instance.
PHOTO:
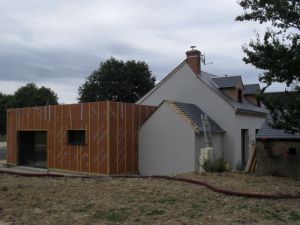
(25, 200)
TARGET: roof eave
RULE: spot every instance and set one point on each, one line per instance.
(250, 112)
(228, 87)
(214, 132)
(274, 138)
(248, 94)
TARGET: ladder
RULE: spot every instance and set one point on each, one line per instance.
(206, 130)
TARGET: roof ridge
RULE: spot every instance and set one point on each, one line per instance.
(210, 74)
(226, 76)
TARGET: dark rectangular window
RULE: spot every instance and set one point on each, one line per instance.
(240, 95)
(76, 137)
(245, 146)
(292, 151)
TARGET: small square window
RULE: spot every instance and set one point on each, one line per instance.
(292, 151)
(76, 137)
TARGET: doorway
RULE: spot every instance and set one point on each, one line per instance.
(244, 147)
(33, 148)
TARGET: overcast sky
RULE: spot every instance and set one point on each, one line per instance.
(58, 43)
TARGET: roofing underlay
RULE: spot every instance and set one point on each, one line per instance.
(267, 132)
(192, 114)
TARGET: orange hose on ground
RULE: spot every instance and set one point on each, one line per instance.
(197, 182)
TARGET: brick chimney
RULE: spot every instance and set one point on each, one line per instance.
(193, 60)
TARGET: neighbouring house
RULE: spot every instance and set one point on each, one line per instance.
(167, 145)
(94, 138)
(277, 152)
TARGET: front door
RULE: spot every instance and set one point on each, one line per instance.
(33, 148)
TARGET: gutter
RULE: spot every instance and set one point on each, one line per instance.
(250, 112)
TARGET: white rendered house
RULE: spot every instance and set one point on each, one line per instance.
(170, 144)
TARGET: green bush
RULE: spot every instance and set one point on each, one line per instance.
(218, 165)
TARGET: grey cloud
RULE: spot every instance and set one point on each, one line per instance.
(58, 41)
(43, 65)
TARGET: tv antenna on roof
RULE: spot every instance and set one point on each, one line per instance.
(204, 60)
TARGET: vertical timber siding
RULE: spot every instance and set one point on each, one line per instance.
(111, 135)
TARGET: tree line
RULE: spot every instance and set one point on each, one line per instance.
(26, 96)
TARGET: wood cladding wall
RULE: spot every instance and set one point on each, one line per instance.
(111, 128)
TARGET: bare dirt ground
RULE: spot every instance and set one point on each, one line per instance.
(25, 200)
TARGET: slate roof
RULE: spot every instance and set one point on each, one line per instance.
(267, 132)
(194, 113)
(251, 89)
(226, 82)
(246, 106)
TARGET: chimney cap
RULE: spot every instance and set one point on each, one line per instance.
(193, 52)
(193, 49)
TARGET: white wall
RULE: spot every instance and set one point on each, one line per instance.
(245, 122)
(185, 87)
(166, 144)
(217, 143)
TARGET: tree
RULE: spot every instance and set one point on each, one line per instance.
(285, 109)
(30, 95)
(116, 80)
(5, 102)
(26, 96)
(277, 53)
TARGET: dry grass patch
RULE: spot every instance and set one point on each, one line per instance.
(45, 200)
